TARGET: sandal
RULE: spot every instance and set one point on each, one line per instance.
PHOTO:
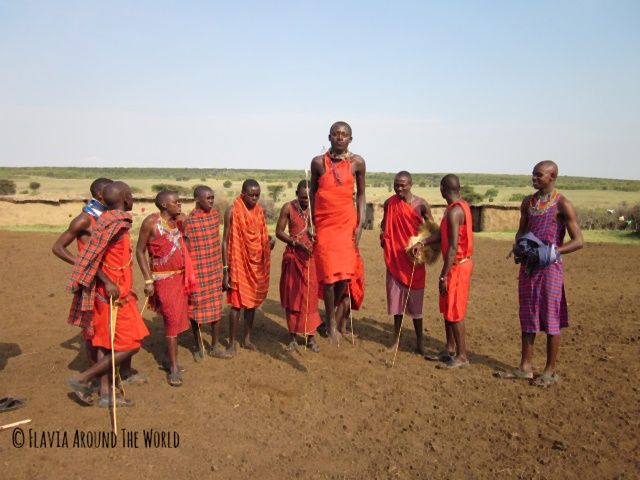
(174, 379)
(135, 379)
(545, 381)
(443, 356)
(167, 368)
(7, 404)
(120, 402)
(515, 374)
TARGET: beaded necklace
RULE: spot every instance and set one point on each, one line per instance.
(540, 203)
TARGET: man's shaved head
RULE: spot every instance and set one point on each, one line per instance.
(548, 164)
(97, 185)
(163, 196)
(201, 190)
(341, 124)
(302, 184)
(404, 174)
(114, 194)
(249, 183)
(450, 183)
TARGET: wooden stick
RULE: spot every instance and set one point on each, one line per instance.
(306, 317)
(200, 335)
(14, 424)
(146, 302)
(404, 311)
(113, 316)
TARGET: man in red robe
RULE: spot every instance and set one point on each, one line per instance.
(338, 226)
(170, 278)
(102, 275)
(403, 215)
(246, 254)
(456, 237)
(298, 281)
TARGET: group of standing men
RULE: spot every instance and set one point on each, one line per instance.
(187, 266)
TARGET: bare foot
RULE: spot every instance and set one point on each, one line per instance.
(249, 346)
(231, 351)
(334, 337)
(218, 352)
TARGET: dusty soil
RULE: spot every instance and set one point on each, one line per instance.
(342, 413)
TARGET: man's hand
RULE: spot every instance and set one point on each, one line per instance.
(112, 290)
(226, 285)
(312, 233)
(149, 289)
(416, 249)
(382, 240)
(358, 234)
(304, 248)
(272, 242)
(442, 285)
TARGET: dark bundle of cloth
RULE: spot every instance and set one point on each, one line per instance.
(531, 252)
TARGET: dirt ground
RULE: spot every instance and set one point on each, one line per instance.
(342, 413)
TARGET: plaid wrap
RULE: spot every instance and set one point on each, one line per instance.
(202, 232)
(82, 282)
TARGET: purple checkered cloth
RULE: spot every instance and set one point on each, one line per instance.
(543, 306)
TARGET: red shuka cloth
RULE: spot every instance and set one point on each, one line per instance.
(453, 305)
(298, 281)
(401, 221)
(130, 328)
(249, 256)
(335, 221)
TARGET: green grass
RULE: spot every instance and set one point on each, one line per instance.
(619, 237)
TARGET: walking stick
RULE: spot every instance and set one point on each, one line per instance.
(404, 311)
(306, 316)
(113, 316)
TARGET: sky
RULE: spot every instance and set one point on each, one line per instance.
(428, 86)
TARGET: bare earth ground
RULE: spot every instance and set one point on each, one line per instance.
(342, 413)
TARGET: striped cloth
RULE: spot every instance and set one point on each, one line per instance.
(249, 256)
(202, 232)
(543, 306)
(83, 277)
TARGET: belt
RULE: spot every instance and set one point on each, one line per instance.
(166, 274)
(111, 267)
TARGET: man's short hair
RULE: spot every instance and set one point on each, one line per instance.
(341, 124)
(404, 173)
(200, 190)
(450, 183)
(162, 196)
(302, 184)
(249, 183)
(97, 185)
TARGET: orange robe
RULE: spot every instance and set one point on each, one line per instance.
(335, 221)
(249, 256)
(298, 281)
(130, 328)
(453, 305)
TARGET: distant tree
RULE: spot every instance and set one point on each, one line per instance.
(7, 187)
(275, 191)
(34, 186)
(289, 184)
(227, 184)
(422, 184)
(490, 194)
(182, 179)
(469, 195)
(389, 187)
(135, 189)
(517, 197)
(203, 179)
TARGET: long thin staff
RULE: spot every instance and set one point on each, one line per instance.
(146, 302)
(404, 311)
(113, 316)
(306, 316)
(14, 424)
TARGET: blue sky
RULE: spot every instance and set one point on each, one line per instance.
(448, 86)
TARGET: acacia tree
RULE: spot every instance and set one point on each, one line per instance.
(275, 191)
